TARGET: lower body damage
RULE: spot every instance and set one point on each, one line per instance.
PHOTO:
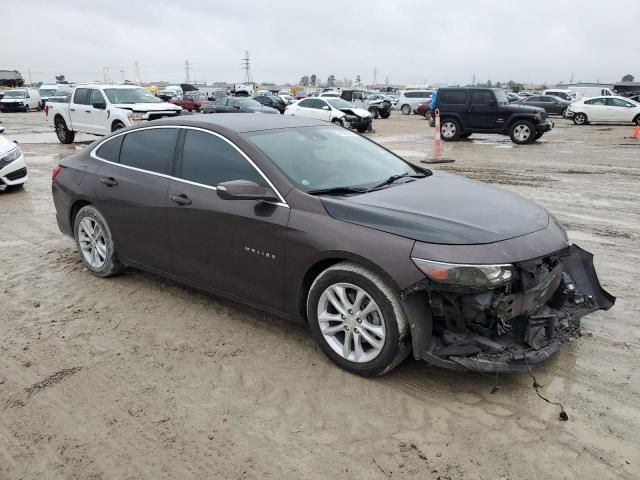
(509, 328)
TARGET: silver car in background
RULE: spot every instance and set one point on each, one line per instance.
(409, 100)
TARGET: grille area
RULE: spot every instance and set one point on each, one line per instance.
(17, 174)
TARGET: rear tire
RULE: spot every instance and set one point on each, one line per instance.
(580, 119)
(374, 112)
(95, 243)
(27, 109)
(522, 132)
(406, 109)
(377, 340)
(65, 135)
(450, 130)
(385, 114)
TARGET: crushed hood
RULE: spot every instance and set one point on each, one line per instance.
(443, 209)
(360, 112)
(148, 107)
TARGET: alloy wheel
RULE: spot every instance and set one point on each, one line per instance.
(522, 133)
(92, 242)
(448, 130)
(351, 322)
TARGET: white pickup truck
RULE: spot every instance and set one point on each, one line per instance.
(101, 109)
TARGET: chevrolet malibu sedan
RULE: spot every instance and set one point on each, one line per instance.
(314, 222)
(604, 109)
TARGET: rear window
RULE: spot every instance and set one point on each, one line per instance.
(418, 94)
(481, 97)
(150, 150)
(81, 96)
(452, 97)
(110, 150)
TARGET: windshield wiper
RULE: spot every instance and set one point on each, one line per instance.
(337, 191)
(393, 178)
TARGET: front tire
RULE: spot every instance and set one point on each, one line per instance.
(374, 112)
(580, 119)
(522, 132)
(117, 126)
(95, 243)
(637, 120)
(450, 130)
(385, 114)
(357, 320)
(406, 109)
(64, 135)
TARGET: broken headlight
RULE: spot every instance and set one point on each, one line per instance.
(458, 274)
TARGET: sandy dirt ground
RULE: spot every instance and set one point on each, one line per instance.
(136, 377)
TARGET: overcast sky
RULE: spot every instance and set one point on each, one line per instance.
(408, 41)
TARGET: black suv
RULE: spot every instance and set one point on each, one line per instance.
(272, 101)
(464, 111)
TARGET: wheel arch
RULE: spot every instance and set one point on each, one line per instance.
(329, 260)
(73, 212)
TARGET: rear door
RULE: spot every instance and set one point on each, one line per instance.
(132, 193)
(235, 246)
(77, 109)
(483, 110)
(597, 110)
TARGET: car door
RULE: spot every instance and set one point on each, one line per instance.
(234, 246)
(96, 118)
(132, 193)
(77, 109)
(596, 110)
(483, 110)
(619, 110)
(305, 108)
(322, 109)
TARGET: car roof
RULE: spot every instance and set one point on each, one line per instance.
(242, 122)
(104, 85)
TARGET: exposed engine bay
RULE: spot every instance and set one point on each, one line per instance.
(510, 327)
(355, 121)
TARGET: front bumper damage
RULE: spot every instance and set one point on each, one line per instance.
(509, 328)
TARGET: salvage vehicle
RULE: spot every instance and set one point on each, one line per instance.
(551, 104)
(604, 109)
(376, 103)
(564, 93)
(13, 167)
(100, 109)
(236, 105)
(334, 110)
(464, 111)
(20, 100)
(191, 101)
(409, 100)
(319, 224)
(273, 101)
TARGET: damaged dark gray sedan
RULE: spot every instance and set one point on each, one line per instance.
(305, 219)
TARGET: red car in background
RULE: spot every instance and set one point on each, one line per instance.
(191, 101)
(423, 109)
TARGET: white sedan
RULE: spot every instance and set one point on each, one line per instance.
(13, 167)
(334, 110)
(604, 109)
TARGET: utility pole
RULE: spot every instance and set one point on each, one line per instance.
(375, 74)
(473, 80)
(186, 72)
(246, 66)
(30, 82)
(386, 81)
(136, 68)
(122, 74)
(105, 74)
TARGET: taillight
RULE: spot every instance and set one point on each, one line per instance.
(46, 110)
(55, 172)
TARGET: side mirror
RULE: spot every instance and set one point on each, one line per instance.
(245, 190)
(100, 106)
(326, 107)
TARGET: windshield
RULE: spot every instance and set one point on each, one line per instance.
(14, 94)
(48, 92)
(315, 158)
(324, 95)
(130, 95)
(501, 97)
(338, 103)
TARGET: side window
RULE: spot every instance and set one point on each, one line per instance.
(110, 150)
(95, 97)
(306, 103)
(81, 96)
(481, 97)
(320, 104)
(453, 97)
(210, 160)
(616, 102)
(150, 149)
(595, 101)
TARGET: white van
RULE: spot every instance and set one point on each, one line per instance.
(20, 99)
(588, 92)
(52, 90)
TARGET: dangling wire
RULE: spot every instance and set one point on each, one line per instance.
(563, 415)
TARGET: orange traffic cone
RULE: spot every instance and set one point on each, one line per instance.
(636, 132)
(437, 143)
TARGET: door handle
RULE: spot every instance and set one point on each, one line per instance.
(109, 181)
(181, 199)
(87, 111)
(72, 109)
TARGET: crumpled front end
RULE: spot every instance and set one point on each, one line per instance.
(511, 327)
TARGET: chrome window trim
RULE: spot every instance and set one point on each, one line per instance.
(93, 154)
